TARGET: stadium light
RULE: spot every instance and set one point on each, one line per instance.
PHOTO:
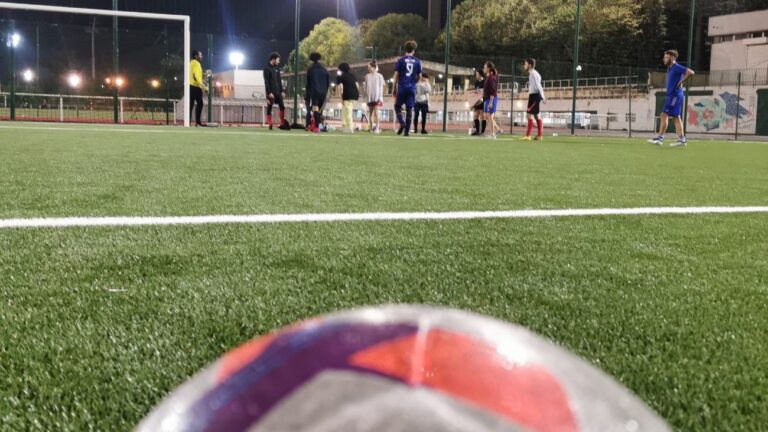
(119, 82)
(74, 80)
(236, 58)
(14, 40)
(28, 75)
(155, 84)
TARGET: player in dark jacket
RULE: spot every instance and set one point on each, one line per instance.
(318, 81)
(273, 84)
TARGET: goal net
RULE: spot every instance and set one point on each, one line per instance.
(61, 64)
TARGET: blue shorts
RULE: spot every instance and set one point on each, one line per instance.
(673, 107)
(407, 97)
(488, 108)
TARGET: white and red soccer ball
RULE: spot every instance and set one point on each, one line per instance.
(402, 368)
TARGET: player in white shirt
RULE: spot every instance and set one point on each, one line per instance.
(374, 89)
(535, 97)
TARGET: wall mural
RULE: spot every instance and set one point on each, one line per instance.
(713, 113)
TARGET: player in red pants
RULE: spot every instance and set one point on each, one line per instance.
(535, 98)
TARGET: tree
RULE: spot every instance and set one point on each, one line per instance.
(388, 33)
(544, 29)
(334, 39)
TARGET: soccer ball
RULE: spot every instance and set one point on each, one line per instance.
(401, 368)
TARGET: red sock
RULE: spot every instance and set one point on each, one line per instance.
(282, 117)
(269, 119)
(540, 122)
(530, 127)
(312, 124)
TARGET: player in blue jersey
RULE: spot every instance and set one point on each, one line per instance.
(407, 74)
(673, 107)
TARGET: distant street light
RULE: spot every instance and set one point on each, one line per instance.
(14, 40)
(236, 58)
(28, 75)
(74, 80)
(119, 82)
(155, 84)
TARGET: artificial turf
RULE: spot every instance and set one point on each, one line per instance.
(98, 324)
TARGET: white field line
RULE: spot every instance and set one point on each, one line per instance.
(127, 221)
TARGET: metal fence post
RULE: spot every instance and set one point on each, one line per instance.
(738, 102)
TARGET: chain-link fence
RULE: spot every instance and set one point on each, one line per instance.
(67, 69)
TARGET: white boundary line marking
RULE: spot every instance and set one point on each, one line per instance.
(128, 221)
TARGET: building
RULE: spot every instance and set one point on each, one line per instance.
(240, 84)
(739, 41)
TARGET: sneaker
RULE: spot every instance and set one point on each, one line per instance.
(659, 140)
(682, 142)
(401, 130)
(525, 138)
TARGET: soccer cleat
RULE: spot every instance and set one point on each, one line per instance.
(423, 132)
(401, 130)
(539, 138)
(285, 126)
(659, 140)
(682, 142)
(270, 127)
(525, 138)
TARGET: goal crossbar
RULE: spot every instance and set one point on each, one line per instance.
(123, 14)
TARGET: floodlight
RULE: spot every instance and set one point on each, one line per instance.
(28, 75)
(14, 40)
(236, 58)
(74, 80)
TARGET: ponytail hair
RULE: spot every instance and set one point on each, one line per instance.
(492, 68)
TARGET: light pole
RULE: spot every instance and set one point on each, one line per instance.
(296, 64)
(576, 67)
(13, 42)
(690, 59)
(447, 61)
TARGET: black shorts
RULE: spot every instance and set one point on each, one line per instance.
(316, 100)
(534, 100)
(478, 105)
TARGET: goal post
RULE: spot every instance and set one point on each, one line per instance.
(123, 14)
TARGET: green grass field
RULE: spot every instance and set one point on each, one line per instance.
(98, 324)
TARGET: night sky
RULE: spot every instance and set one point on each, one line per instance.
(263, 19)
